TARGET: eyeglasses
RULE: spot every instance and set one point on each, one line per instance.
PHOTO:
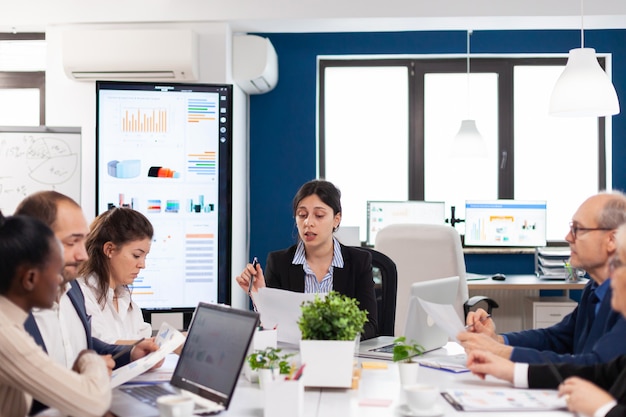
(574, 229)
(614, 264)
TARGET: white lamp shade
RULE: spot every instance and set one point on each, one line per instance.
(468, 142)
(583, 89)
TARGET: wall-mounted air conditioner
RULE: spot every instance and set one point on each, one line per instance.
(255, 64)
(131, 55)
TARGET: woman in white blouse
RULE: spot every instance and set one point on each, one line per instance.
(118, 242)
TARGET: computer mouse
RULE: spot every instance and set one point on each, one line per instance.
(498, 277)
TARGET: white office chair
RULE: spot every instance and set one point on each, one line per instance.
(423, 252)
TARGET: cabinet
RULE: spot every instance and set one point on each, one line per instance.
(540, 312)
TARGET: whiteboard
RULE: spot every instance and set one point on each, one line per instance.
(38, 158)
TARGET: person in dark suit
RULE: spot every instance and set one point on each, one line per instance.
(318, 263)
(593, 390)
(593, 332)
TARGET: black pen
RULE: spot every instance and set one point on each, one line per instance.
(255, 262)
(482, 320)
(127, 349)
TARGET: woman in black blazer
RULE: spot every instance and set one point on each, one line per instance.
(591, 390)
(318, 263)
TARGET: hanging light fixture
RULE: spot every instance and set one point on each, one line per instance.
(583, 89)
(468, 142)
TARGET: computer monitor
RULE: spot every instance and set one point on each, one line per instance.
(514, 223)
(164, 149)
(383, 213)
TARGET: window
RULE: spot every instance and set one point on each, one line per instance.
(386, 129)
(22, 79)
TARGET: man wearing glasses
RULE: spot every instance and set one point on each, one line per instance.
(593, 332)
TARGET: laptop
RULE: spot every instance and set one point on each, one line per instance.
(419, 327)
(208, 367)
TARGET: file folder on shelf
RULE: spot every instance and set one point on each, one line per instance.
(550, 262)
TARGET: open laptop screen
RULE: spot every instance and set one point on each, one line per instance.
(214, 351)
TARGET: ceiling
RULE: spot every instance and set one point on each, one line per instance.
(320, 15)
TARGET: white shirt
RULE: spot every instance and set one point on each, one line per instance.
(62, 330)
(520, 380)
(109, 324)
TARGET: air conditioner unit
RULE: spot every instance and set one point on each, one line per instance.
(130, 55)
(255, 64)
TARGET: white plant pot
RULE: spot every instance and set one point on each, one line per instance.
(408, 372)
(267, 376)
(329, 363)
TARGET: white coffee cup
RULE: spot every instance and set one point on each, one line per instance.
(175, 406)
(420, 397)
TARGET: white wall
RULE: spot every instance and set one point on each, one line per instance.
(73, 103)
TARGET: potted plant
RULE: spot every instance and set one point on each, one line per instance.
(403, 354)
(269, 363)
(330, 326)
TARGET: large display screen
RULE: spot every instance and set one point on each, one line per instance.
(384, 213)
(505, 223)
(165, 150)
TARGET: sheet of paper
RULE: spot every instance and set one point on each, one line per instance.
(497, 399)
(168, 339)
(281, 309)
(444, 315)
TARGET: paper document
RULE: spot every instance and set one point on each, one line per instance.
(444, 316)
(281, 309)
(503, 399)
(168, 339)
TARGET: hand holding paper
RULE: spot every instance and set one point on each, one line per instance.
(168, 339)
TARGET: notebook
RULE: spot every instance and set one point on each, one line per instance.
(419, 326)
(208, 367)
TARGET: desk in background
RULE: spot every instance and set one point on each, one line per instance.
(511, 293)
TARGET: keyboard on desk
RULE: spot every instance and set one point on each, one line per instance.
(147, 394)
(385, 349)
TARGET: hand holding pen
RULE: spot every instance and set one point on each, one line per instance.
(478, 322)
(251, 278)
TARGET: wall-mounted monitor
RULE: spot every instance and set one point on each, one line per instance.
(384, 213)
(164, 149)
(514, 223)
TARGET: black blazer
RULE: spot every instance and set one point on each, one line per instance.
(610, 376)
(354, 279)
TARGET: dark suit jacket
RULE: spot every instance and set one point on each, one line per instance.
(609, 376)
(577, 338)
(354, 279)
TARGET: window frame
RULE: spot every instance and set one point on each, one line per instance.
(26, 79)
(418, 67)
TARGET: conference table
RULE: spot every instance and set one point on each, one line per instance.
(379, 394)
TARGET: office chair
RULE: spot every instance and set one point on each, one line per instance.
(423, 252)
(385, 285)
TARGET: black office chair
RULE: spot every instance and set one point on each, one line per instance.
(385, 286)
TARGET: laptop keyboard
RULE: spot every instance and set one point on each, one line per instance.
(384, 349)
(147, 394)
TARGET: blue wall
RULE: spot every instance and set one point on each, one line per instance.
(283, 122)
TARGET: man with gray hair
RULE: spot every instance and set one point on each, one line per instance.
(593, 332)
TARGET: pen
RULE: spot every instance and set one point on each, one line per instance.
(127, 349)
(255, 262)
(482, 320)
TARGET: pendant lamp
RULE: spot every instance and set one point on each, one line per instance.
(468, 142)
(583, 89)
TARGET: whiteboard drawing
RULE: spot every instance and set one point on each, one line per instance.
(31, 161)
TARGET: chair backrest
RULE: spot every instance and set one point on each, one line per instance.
(422, 252)
(385, 285)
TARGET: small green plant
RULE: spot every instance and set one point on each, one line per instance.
(335, 317)
(270, 358)
(404, 352)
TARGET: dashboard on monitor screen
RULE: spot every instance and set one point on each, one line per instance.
(513, 223)
(164, 149)
(383, 213)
